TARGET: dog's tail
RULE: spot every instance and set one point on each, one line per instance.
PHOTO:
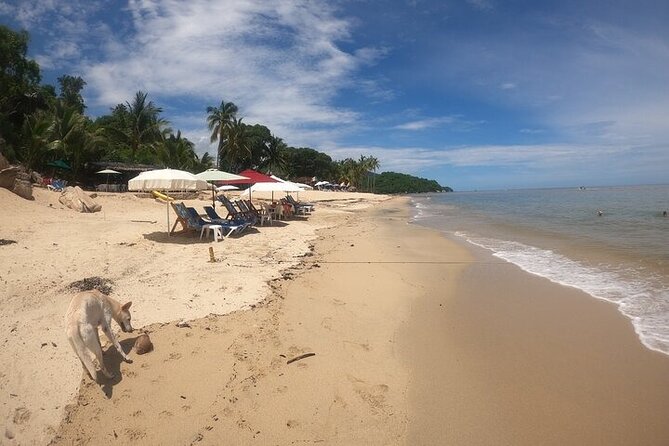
(79, 347)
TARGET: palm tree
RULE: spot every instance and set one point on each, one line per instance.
(138, 125)
(368, 164)
(219, 119)
(178, 153)
(236, 148)
(273, 159)
(35, 142)
(71, 136)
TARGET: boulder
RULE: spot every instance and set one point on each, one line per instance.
(23, 187)
(3, 161)
(7, 177)
(17, 180)
(36, 178)
(75, 198)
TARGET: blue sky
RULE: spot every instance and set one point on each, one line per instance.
(477, 94)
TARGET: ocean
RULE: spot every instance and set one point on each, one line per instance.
(621, 256)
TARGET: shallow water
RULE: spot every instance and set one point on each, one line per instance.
(621, 256)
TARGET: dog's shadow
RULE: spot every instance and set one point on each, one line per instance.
(113, 360)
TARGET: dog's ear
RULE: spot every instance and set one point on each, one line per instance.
(126, 306)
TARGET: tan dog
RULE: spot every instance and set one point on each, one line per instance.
(88, 311)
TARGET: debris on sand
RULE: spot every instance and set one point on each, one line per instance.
(93, 283)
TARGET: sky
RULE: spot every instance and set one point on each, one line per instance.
(477, 94)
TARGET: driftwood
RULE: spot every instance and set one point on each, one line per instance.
(297, 358)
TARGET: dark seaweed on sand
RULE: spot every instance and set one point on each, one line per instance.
(93, 283)
(6, 242)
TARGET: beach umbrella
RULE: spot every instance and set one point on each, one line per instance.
(166, 180)
(301, 186)
(108, 172)
(278, 186)
(212, 175)
(59, 164)
(254, 177)
(226, 187)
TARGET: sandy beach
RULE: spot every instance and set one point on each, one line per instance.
(416, 338)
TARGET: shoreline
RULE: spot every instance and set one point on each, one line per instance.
(417, 339)
(531, 361)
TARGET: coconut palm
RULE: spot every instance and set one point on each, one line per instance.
(273, 159)
(35, 132)
(138, 125)
(236, 149)
(219, 119)
(177, 153)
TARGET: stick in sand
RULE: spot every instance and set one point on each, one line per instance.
(306, 355)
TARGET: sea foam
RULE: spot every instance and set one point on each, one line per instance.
(644, 301)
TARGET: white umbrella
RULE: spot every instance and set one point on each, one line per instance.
(226, 187)
(299, 185)
(218, 175)
(108, 172)
(286, 186)
(166, 179)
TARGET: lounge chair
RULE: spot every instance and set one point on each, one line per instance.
(299, 206)
(217, 219)
(235, 214)
(247, 207)
(57, 185)
(188, 223)
(197, 220)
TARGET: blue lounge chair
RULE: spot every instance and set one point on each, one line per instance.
(197, 220)
(217, 219)
(235, 214)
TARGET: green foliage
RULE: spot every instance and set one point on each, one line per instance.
(219, 121)
(20, 93)
(306, 162)
(70, 92)
(399, 183)
(136, 129)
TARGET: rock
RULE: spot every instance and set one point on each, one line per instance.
(143, 344)
(36, 178)
(7, 177)
(183, 324)
(3, 161)
(9, 434)
(23, 187)
(75, 198)
(17, 180)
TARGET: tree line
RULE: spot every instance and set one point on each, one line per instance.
(39, 124)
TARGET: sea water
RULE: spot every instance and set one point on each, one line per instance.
(621, 256)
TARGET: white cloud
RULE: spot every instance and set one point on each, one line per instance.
(455, 122)
(483, 5)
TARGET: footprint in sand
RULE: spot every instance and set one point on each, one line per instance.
(135, 434)
(373, 395)
(21, 415)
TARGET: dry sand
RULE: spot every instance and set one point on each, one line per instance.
(167, 278)
(417, 339)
